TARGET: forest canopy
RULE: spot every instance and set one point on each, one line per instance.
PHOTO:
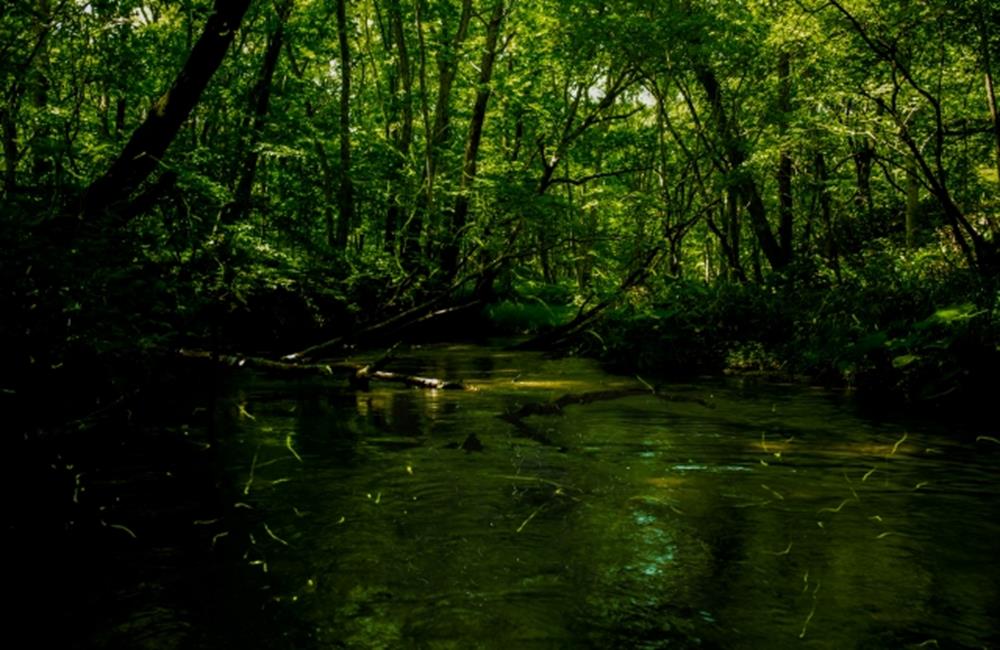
(804, 187)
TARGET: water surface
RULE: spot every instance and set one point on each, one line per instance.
(773, 517)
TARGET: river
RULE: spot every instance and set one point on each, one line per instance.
(763, 517)
(731, 516)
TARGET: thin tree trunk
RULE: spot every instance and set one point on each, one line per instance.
(449, 257)
(410, 245)
(439, 132)
(991, 97)
(731, 244)
(742, 182)
(39, 86)
(237, 210)
(10, 152)
(345, 193)
(447, 62)
(402, 134)
(785, 199)
(863, 154)
(912, 203)
(142, 153)
(329, 197)
(825, 208)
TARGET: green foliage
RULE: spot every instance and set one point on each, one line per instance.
(893, 330)
(613, 129)
(695, 328)
(527, 318)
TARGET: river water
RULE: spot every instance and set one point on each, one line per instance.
(765, 517)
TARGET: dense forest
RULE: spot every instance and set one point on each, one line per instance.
(802, 192)
(803, 188)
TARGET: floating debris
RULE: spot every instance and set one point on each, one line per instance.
(288, 444)
(899, 442)
(838, 508)
(253, 466)
(124, 529)
(270, 532)
(774, 492)
(812, 612)
(787, 551)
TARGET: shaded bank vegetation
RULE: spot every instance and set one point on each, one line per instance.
(679, 187)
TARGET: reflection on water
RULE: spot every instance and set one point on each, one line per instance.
(774, 519)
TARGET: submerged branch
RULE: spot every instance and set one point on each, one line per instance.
(556, 407)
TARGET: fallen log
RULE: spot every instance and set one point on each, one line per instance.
(259, 363)
(417, 382)
(359, 376)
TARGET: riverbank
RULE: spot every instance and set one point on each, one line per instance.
(919, 345)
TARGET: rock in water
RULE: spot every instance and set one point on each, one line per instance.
(472, 443)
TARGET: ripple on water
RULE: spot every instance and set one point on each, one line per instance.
(776, 518)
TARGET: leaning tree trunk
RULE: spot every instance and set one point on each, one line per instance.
(150, 141)
(238, 209)
(742, 183)
(459, 216)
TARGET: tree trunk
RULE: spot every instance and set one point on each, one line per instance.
(329, 197)
(733, 228)
(912, 203)
(400, 134)
(863, 155)
(980, 253)
(991, 97)
(830, 251)
(447, 62)
(238, 209)
(410, 245)
(39, 84)
(785, 199)
(440, 131)
(10, 152)
(142, 153)
(449, 257)
(345, 193)
(742, 182)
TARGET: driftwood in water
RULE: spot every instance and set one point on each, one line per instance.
(556, 407)
(362, 376)
(259, 363)
(417, 382)
(358, 375)
(525, 430)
